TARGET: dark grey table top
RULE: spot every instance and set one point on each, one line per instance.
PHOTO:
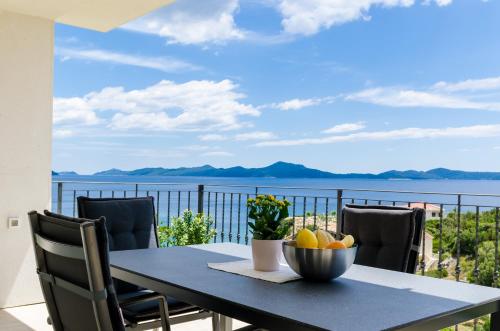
(362, 299)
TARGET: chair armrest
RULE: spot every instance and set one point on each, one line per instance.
(143, 298)
(162, 303)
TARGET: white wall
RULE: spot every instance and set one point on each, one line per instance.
(26, 71)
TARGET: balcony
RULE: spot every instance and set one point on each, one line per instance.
(461, 235)
(457, 226)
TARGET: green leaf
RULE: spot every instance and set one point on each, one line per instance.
(190, 229)
(269, 217)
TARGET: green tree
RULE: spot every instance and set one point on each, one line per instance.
(486, 265)
(485, 231)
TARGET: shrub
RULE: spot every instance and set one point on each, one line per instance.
(190, 229)
(486, 265)
(437, 274)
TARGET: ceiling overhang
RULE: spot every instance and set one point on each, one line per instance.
(100, 15)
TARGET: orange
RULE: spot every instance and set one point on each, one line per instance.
(336, 245)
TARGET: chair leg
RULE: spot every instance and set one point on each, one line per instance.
(165, 324)
(215, 322)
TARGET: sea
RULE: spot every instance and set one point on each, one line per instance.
(174, 194)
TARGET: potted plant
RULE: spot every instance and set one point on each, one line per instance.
(269, 227)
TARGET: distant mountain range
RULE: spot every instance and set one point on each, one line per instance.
(290, 170)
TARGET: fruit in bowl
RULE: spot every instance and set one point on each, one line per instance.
(348, 241)
(318, 256)
(336, 245)
(322, 239)
(307, 239)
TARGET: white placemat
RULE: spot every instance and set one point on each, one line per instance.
(245, 268)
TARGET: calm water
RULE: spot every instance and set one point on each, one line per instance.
(309, 188)
(451, 186)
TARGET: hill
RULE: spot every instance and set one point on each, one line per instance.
(290, 170)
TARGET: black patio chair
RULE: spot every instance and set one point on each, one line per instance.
(131, 224)
(388, 237)
(73, 268)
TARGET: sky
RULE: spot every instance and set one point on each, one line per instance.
(337, 85)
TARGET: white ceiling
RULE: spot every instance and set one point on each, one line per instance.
(100, 15)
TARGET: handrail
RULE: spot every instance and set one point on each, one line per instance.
(286, 188)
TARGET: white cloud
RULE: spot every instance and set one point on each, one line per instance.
(192, 22)
(165, 64)
(74, 111)
(296, 104)
(440, 3)
(198, 105)
(491, 83)
(346, 127)
(257, 135)
(475, 131)
(397, 97)
(212, 137)
(217, 153)
(439, 95)
(213, 21)
(307, 17)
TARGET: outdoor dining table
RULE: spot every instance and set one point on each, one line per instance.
(364, 298)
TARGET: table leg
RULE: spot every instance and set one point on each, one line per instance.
(222, 323)
(495, 321)
(226, 323)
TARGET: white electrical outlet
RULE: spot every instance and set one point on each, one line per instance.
(14, 222)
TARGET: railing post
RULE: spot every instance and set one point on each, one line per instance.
(201, 190)
(136, 190)
(339, 212)
(495, 272)
(59, 197)
(458, 269)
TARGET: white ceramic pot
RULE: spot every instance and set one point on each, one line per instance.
(266, 254)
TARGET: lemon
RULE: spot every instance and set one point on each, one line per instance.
(348, 241)
(324, 238)
(306, 239)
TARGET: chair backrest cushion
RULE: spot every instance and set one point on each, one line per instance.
(384, 235)
(130, 223)
(73, 311)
